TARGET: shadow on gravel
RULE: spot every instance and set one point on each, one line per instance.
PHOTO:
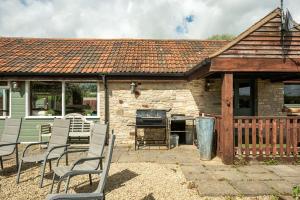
(114, 181)
(12, 170)
(149, 197)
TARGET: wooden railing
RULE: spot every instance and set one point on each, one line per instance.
(267, 137)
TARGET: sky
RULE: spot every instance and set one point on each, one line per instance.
(149, 19)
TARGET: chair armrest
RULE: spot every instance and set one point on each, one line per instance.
(9, 144)
(69, 151)
(58, 147)
(55, 147)
(81, 160)
(32, 144)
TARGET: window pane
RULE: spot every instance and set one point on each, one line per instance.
(244, 95)
(4, 102)
(292, 94)
(46, 98)
(81, 98)
(3, 83)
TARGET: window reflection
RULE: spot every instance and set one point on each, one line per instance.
(292, 94)
(4, 99)
(81, 98)
(46, 98)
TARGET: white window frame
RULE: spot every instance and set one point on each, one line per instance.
(10, 90)
(63, 110)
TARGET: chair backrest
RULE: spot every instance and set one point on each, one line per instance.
(104, 174)
(59, 135)
(10, 133)
(97, 143)
(78, 124)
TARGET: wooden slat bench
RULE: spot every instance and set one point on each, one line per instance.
(79, 127)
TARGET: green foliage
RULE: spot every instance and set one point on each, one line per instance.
(221, 37)
(50, 112)
(273, 197)
(296, 192)
(271, 162)
(88, 111)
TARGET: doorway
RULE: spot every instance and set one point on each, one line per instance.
(244, 97)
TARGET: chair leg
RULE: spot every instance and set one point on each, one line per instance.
(67, 159)
(43, 172)
(67, 184)
(19, 171)
(17, 157)
(58, 185)
(91, 181)
(51, 189)
(1, 163)
(50, 166)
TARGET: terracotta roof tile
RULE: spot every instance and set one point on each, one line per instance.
(102, 56)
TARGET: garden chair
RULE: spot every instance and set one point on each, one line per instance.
(55, 147)
(100, 192)
(9, 139)
(85, 165)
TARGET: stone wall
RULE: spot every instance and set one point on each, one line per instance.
(189, 98)
(270, 98)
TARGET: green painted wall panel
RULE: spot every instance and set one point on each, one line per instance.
(30, 127)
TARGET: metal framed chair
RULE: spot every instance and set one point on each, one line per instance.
(88, 165)
(55, 147)
(100, 191)
(9, 139)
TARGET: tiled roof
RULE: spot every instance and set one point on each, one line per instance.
(102, 56)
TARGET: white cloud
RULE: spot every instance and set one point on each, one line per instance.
(132, 18)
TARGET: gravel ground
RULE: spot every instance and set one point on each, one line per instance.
(145, 181)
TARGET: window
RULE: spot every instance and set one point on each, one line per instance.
(4, 99)
(292, 94)
(57, 98)
(81, 98)
(244, 95)
(46, 98)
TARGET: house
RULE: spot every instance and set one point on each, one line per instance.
(255, 75)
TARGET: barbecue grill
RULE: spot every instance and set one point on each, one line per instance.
(151, 119)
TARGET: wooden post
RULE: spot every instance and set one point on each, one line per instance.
(227, 119)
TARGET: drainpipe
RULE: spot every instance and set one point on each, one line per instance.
(106, 105)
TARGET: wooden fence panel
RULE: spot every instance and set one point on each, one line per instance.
(247, 152)
(276, 136)
(253, 137)
(267, 126)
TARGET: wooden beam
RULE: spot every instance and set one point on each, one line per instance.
(227, 119)
(255, 65)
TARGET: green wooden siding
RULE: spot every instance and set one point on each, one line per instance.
(30, 127)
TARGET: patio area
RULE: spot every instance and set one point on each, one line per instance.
(164, 174)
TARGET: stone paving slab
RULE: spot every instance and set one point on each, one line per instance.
(262, 177)
(283, 170)
(257, 169)
(215, 188)
(293, 179)
(229, 175)
(253, 188)
(219, 167)
(282, 187)
(194, 173)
